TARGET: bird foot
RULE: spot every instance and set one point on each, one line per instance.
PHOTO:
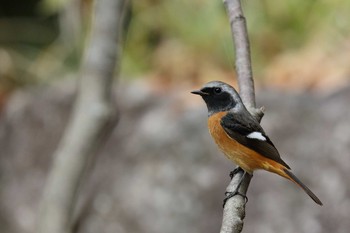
(235, 171)
(232, 194)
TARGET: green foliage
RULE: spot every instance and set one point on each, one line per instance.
(167, 35)
(199, 25)
(202, 25)
(52, 6)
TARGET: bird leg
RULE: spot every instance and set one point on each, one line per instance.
(236, 192)
(235, 171)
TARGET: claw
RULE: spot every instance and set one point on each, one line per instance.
(235, 171)
(232, 194)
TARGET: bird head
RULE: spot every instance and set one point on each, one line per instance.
(219, 97)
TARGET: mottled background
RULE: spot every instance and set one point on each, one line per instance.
(160, 170)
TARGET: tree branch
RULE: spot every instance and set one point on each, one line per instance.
(243, 60)
(90, 124)
(234, 211)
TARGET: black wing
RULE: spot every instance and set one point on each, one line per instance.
(239, 126)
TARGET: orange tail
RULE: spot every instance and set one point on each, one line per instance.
(289, 175)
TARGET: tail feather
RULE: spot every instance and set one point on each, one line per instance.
(293, 178)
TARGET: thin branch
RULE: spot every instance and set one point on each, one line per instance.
(90, 124)
(243, 59)
(234, 211)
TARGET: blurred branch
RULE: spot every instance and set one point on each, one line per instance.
(91, 122)
(234, 210)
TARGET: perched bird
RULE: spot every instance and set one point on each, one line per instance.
(240, 137)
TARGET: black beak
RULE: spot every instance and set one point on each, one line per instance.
(199, 92)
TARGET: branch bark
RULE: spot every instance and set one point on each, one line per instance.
(93, 118)
(234, 211)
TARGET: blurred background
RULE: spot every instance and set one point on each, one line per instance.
(160, 170)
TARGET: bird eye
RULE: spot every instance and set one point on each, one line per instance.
(217, 90)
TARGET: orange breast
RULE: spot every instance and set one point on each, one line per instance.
(244, 157)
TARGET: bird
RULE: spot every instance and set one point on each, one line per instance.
(240, 136)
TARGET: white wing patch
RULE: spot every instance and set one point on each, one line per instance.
(256, 135)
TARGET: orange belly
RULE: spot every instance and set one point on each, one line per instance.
(247, 159)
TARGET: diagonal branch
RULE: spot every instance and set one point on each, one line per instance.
(234, 211)
(93, 118)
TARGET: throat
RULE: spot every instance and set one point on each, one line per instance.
(217, 112)
(214, 122)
